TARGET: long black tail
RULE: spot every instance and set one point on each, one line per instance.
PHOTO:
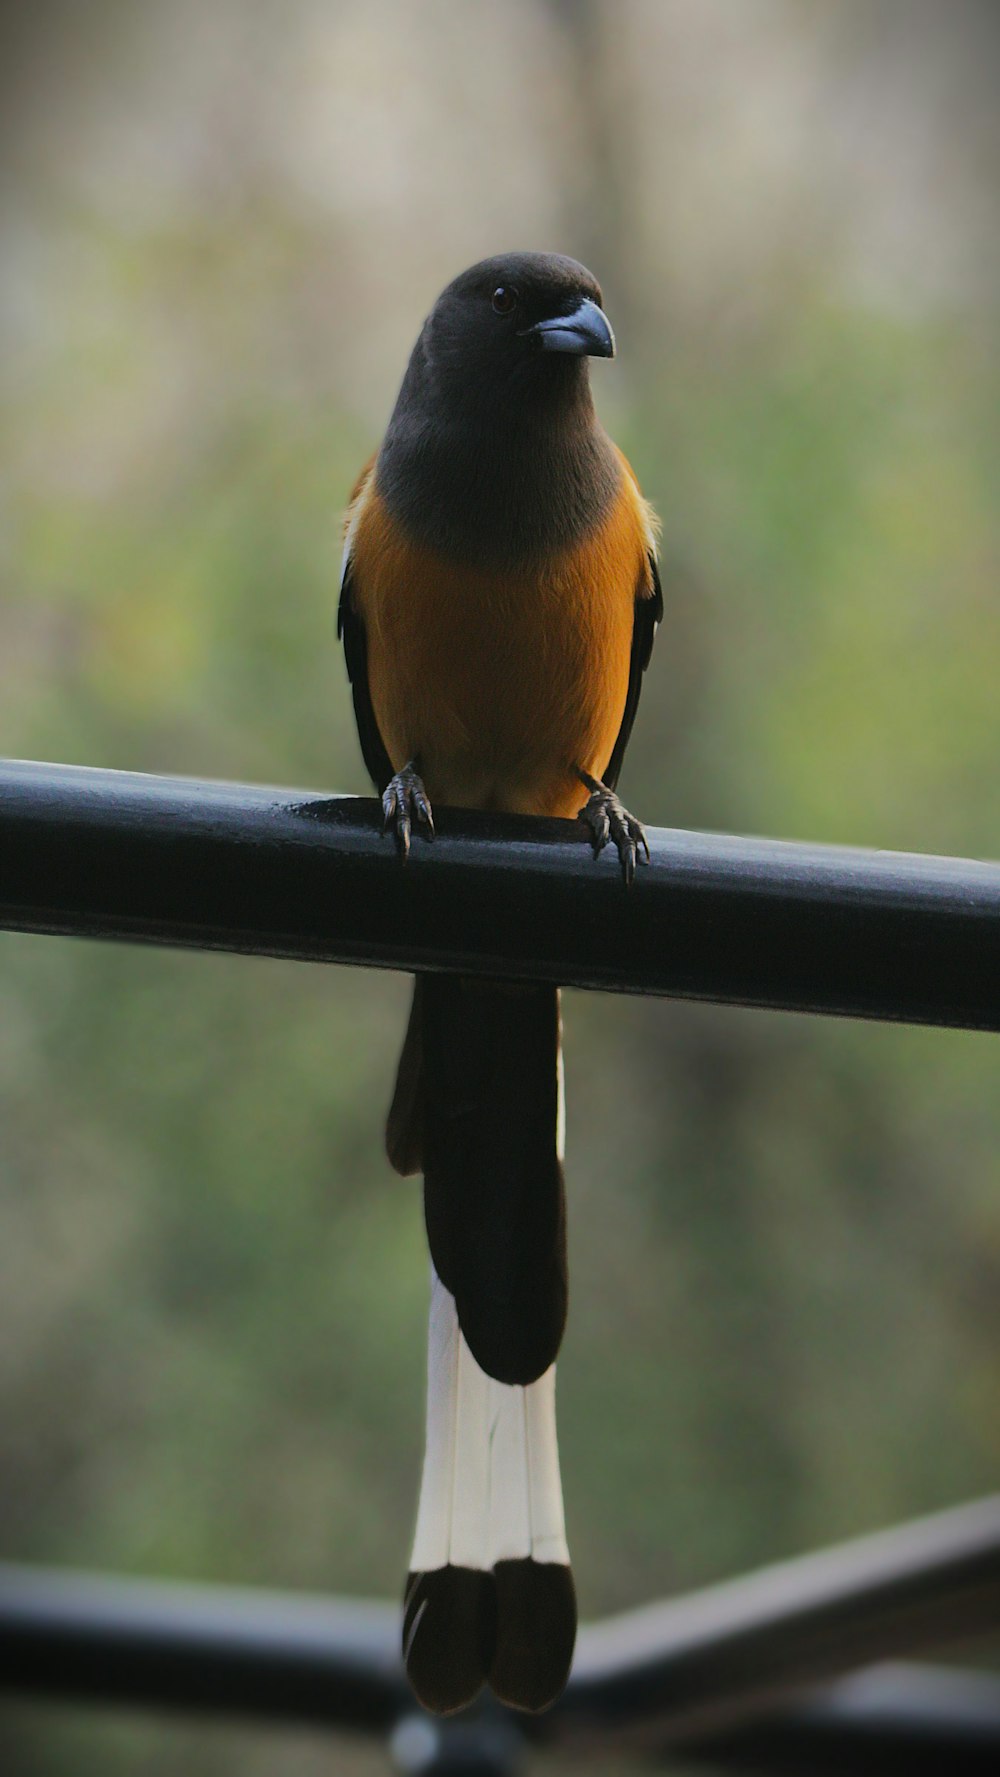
(477, 1107)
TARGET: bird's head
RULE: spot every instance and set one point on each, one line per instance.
(525, 321)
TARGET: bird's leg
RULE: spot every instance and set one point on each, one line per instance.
(404, 801)
(607, 818)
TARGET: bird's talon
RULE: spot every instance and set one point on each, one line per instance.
(405, 803)
(606, 818)
(600, 830)
(638, 833)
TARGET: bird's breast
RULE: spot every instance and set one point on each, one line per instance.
(500, 681)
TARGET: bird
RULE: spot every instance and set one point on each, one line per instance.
(499, 598)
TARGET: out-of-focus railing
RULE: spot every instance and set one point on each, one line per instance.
(748, 1673)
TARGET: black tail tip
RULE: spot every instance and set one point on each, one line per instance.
(449, 1636)
(514, 1628)
(535, 1633)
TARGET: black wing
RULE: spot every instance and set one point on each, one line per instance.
(351, 631)
(648, 612)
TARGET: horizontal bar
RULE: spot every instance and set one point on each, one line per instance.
(702, 1664)
(697, 1669)
(290, 873)
(222, 1649)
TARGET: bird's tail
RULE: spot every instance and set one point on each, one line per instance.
(478, 1107)
(489, 1597)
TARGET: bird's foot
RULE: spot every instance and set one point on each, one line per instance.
(405, 804)
(607, 818)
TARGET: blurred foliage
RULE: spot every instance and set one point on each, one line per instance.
(785, 1233)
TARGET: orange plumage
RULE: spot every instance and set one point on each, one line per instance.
(501, 681)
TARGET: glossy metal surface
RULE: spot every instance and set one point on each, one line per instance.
(748, 921)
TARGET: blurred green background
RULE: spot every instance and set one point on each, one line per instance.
(221, 227)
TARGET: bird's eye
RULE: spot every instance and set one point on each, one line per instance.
(504, 299)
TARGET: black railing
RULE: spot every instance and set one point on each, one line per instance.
(752, 1673)
(754, 922)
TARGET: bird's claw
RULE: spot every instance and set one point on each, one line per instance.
(405, 804)
(608, 819)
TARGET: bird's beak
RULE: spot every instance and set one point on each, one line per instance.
(585, 332)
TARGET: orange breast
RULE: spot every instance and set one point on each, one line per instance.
(500, 683)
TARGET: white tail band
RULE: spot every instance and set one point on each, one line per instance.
(491, 1488)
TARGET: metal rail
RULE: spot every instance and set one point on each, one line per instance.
(729, 1673)
(748, 921)
(702, 1664)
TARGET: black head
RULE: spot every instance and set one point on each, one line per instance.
(493, 451)
(519, 319)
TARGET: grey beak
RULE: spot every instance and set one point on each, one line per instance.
(585, 332)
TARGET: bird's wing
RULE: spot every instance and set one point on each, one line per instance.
(351, 631)
(648, 612)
